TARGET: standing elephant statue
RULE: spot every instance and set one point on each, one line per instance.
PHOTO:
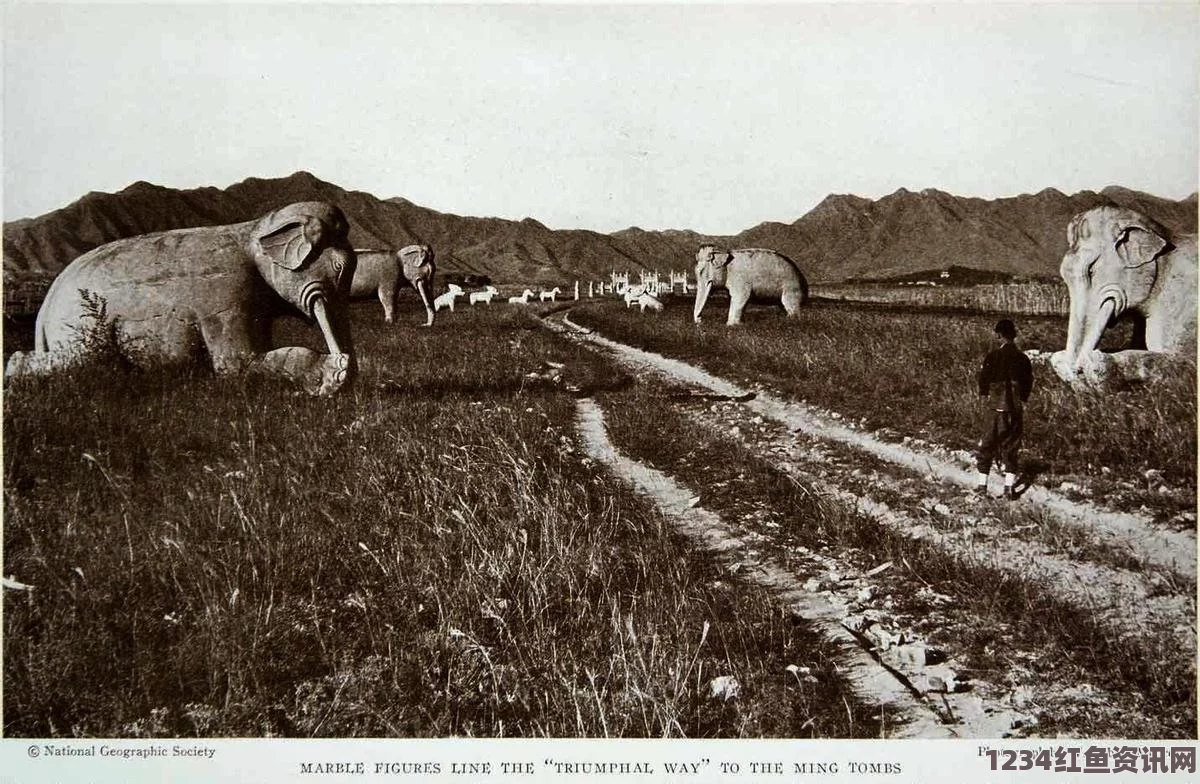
(1121, 264)
(379, 273)
(209, 292)
(745, 273)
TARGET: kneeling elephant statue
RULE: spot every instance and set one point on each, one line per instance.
(1120, 264)
(209, 292)
(379, 273)
(746, 272)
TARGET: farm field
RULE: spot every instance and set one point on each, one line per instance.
(435, 553)
(1029, 299)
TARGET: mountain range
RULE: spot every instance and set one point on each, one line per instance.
(844, 237)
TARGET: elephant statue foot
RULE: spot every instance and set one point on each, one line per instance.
(33, 363)
(1101, 370)
(319, 374)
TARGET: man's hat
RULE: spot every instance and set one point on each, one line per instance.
(1006, 329)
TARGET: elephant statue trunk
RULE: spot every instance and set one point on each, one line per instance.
(1119, 264)
(1087, 321)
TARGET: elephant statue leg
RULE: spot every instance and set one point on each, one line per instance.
(792, 300)
(738, 297)
(387, 298)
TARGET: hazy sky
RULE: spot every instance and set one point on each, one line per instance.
(713, 118)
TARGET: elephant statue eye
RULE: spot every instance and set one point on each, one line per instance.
(1091, 268)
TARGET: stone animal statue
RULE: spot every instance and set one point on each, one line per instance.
(521, 300)
(648, 300)
(209, 292)
(379, 273)
(447, 297)
(484, 296)
(746, 272)
(548, 296)
(1120, 264)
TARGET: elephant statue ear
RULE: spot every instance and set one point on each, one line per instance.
(722, 257)
(1140, 242)
(292, 245)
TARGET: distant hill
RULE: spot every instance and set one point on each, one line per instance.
(841, 238)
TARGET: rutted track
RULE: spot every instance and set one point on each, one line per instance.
(1129, 601)
(1155, 546)
(872, 682)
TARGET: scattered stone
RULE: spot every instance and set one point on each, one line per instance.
(12, 584)
(1069, 487)
(855, 623)
(882, 639)
(1153, 477)
(936, 684)
(866, 594)
(941, 509)
(725, 687)
(915, 655)
(1024, 722)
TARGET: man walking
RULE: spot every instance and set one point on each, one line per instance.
(1006, 380)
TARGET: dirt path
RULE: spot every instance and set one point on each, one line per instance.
(873, 681)
(1127, 575)
(1153, 545)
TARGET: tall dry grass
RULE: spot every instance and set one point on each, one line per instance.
(426, 555)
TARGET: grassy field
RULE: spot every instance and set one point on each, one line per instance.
(903, 373)
(428, 554)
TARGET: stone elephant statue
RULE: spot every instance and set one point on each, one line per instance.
(379, 272)
(209, 292)
(1120, 264)
(748, 272)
